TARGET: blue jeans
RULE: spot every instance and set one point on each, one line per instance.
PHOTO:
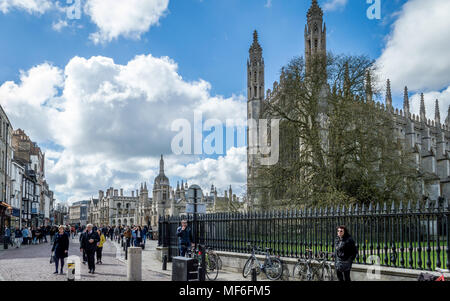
(57, 260)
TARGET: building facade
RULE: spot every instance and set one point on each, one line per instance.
(427, 139)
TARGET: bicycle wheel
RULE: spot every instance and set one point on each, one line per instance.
(326, 273)
(300, 271)
(275, 269)
(219, 262)
(211, 268)
(249, 266)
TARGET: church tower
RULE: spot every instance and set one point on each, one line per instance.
(255, 98)
(315, 34)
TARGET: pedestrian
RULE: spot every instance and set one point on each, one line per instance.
(138, 236)
(100, 246)
(345, 253)
(127, 234)
(60, 249)
(52, 233)
(150, 233)
(25, 235)
(116, 233)
(184, 234)
(44, 234)
(144, 234)
(7, 236)
(84, 251)
(18, 237)
(30, 236)
(33, 235)
(89, 244)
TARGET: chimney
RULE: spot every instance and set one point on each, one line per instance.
(100, 194)
(132, 193)
(121, 191)
(116, 192)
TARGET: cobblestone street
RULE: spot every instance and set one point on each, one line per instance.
(31, 263)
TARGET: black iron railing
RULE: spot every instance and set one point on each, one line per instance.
(415, 236)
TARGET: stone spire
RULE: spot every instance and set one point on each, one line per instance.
(161, 166)
(145, 186)
(406, 102)
(388, 95)
(423, 116)
(369, 90)
(437, 115)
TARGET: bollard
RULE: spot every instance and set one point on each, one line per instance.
(202, 267)
(164, 267)
(134, 271)
(70, 270)
(254, 275)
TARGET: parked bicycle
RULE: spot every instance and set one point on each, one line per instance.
(212, 270)
(320, 270)
(272, 266)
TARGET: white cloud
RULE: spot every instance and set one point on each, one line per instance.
(113, 121)
(30, 6)
(331, 5)
(58, 26)
(129, 18)
(268, 4)
(417, 50)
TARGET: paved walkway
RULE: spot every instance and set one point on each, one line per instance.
(31, 263)
(150, 263)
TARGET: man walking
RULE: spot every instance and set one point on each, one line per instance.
(18, 237)
(7, 237)
(184, 234)
(89, 245)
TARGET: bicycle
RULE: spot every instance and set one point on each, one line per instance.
(212, 270)
(272, 266)
(304, 270)
(212, 253)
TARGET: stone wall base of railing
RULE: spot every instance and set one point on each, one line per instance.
(234, 262)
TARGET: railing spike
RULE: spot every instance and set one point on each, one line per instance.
(393, 206)
(409, 205)
(385, 208)
(378, 208)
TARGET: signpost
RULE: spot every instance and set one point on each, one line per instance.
(194, 197)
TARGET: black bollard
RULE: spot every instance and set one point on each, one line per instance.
(254, 275)
(164, 267)
(202, 268)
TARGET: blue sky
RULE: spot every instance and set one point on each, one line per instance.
(85, 95)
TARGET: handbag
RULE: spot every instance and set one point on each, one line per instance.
(52, 258)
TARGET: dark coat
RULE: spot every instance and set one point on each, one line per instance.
(345, 253)
(184, 236)
(18, 233)
(86, 245)
(61, 244)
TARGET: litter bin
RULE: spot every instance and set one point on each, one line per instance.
(184, 269)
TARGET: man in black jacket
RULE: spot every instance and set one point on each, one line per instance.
(184, 234)
(89, 242)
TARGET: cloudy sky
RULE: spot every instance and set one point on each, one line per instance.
(98, 87)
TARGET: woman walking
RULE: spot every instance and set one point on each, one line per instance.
(345, 253)
(61, 248)
(100, 247)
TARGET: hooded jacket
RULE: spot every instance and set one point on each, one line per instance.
(345, 253)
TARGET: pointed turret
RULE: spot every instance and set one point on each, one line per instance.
(447, 121)
(388, 95)
(423, 115)
(161, 165)
(406, 102)
(369, 90)
(437, 115)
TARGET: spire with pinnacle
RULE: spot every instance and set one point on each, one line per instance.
(161, 166)
(388, 95)
(437, 114)
(369, 90)
(447, 121)
(406, 102)
(423, 116)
